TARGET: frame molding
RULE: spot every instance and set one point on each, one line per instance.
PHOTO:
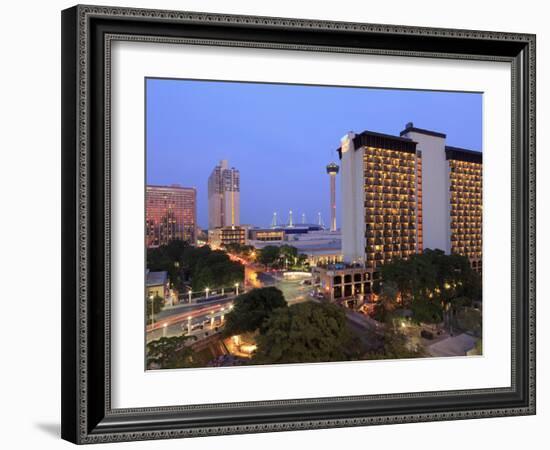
(87, 34)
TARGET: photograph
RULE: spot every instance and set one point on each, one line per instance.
(345, 202)
(293, 223)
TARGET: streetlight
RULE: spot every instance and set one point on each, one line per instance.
(164, 327)
(236, 288)
(207, 290)
(190, 292)
(151, 297)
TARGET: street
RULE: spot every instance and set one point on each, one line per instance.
(199, 320)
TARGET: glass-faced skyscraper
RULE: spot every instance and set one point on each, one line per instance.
(223, 196)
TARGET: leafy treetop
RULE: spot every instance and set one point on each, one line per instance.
(250, 310)
(306, 332)
(169, 353)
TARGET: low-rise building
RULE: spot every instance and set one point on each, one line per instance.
(157, 284)
(266, 234)
(218, 237)
(348, 284)
(321, 256)
(320, 246)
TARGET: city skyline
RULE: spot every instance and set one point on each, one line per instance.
(404, 253)
(287, 142)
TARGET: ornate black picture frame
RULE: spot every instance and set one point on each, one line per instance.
(87, 33)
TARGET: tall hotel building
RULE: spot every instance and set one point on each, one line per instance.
(400, 195)
(451, 195)
(170, 213)
(381, 187)
(223, 196)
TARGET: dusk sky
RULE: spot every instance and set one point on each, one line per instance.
(281, 137)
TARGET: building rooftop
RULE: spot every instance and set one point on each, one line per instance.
(463, 154)
(411, 128)
(297, 228)
(387, 141)
(369, 133)
(170, 187)
(380, 140)
(156, 278)
(341, 266)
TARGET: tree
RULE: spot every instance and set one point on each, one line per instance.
(426, 311)
(154, 305)
(169, 353)
(288, 255)
(395, 346)
(401, 274)
(269, 255)
(435, 278)
(250, 310)
(306, 332)
(215, 270)
(302, 260)
(387, 301)
(244, 251)
(170, 258)
(202, 265)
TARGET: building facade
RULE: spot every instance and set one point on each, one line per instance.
(266, 234)
(223, 196)
(380, 197)
(452, 194)
(466, 202)
(170, 213)
(350, 284)
(218, 237)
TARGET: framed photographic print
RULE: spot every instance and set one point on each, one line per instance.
(279, 224)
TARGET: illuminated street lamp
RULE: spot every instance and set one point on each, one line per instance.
(164, 327)
(190, 292)
(207, 290)
(236, 288)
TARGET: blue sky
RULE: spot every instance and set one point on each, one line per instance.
(281, 137)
